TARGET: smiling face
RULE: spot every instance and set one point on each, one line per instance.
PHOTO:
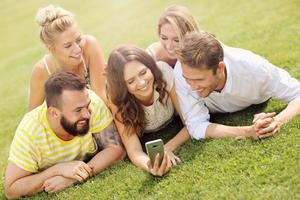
(203, 80)
(67, 47)
(74, 112)
(139, 81)
(168, 39)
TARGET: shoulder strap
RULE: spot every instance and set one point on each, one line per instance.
(85, 68)
(46, 65)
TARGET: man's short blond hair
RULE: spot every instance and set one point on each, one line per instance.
(200, 50)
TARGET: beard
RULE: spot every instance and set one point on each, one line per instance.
(72, 129)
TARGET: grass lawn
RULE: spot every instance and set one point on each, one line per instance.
(211, 169)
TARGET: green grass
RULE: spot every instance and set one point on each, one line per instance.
(211, 169)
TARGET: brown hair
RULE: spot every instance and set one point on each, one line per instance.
(199, 50)
(57, 83)
(52, 20)
(180, 19)
(129, 108)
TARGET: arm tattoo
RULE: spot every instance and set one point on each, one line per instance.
(108, 136)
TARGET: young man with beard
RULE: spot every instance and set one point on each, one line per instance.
(211, 77)
(68, 139)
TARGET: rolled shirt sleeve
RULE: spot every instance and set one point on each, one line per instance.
(194, 111)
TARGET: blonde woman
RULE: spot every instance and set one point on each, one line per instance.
(68, 50)
(173, 24)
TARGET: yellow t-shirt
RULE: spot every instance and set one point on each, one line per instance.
(36, 147)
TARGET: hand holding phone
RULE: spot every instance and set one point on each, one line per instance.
(159, 164)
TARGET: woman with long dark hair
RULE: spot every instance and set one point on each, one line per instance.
(142, 99)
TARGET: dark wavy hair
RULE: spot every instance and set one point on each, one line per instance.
(129, 108)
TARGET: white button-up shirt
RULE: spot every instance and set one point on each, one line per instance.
(251, 79)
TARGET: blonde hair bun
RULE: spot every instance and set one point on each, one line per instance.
(50, 13)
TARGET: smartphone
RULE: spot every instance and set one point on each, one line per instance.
(153, 148)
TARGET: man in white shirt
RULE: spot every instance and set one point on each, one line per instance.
(211, 77)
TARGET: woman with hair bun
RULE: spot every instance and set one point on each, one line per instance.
(68, 50)
(173, 24)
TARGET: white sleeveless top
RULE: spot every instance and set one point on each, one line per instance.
(150, 50)
(159, 115)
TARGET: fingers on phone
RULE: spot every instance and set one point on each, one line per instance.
(158, 166)
(156, 162)
(166, 165)
(154, 166)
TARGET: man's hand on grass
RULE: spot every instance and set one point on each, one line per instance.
(78, 170)
(57, 183)
(265, 125)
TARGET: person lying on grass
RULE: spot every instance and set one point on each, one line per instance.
(68, 50)
(142, 99)
(175, 21)
(211, 77)
(67, 139)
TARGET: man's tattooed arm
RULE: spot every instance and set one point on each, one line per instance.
(110, 149)
(108, 136)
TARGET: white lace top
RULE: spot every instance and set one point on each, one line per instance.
(159, 115)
